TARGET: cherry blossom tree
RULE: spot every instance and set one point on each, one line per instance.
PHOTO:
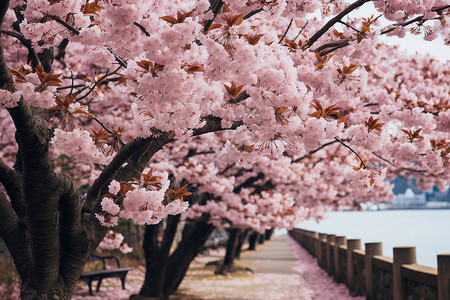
(237, 199)
(91, 90)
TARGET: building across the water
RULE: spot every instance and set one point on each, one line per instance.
(408, 196)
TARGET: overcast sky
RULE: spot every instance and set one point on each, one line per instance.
(411, 43)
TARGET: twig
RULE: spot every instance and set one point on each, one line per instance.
(362, 162)
(401, 168)
(107, 129)
(71, 89)
(97, 82)
(119, 59)
(287, 29)
(322, 53)
(349, 26)
(142, 28)
(11, 33)
(313, 151)
(300, 32)
(84, 85)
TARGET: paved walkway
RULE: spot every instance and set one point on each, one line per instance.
(274, 276)
(274, 256)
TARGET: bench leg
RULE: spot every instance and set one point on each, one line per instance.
(122, 278)
(89, 283)
(98, 284)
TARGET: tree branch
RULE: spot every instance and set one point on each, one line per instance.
(108, 173)
(65, 24)
(142, 28)
(314, 151)
(416, 19)
(32, 56)
(362, 162)
(335, 20)
(248, 182)
(395, 166)
(216, 5)
(15, 238)
(13, 186)
(300, 32)
(253, 12)
(287, 29)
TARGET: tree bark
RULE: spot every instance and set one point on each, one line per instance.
(194, 237)
(164, 272)
(240, 243)
(261, 239)
(268, 234)
(252, 241)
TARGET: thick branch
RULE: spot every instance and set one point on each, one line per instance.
(111, 169)
(15, 238)
(32, 56)
(136, 154)
(335, 20)
(13, 186)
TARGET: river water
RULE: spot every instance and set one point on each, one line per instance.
(427, 230)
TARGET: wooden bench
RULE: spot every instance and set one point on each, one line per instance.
(99, 275)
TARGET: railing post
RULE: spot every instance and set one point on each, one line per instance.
(320, 258)
(352, 244)
(372, 249)
(443, 276)
(316, 240)
(402, 255)
(338, 241)
(330, 239)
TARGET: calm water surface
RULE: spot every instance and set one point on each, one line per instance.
(427, 230)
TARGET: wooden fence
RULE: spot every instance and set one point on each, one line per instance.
(369, 273)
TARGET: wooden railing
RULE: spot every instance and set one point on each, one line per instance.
(369, 273)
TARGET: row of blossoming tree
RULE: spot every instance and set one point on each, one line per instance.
(317, 113)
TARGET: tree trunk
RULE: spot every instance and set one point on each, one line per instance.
(230, 254)
(261, 239)
(268, 234)
(165, 273)
(252, 241)
(232, 242)
(240, 243)
(194, 237)
(156, 256)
